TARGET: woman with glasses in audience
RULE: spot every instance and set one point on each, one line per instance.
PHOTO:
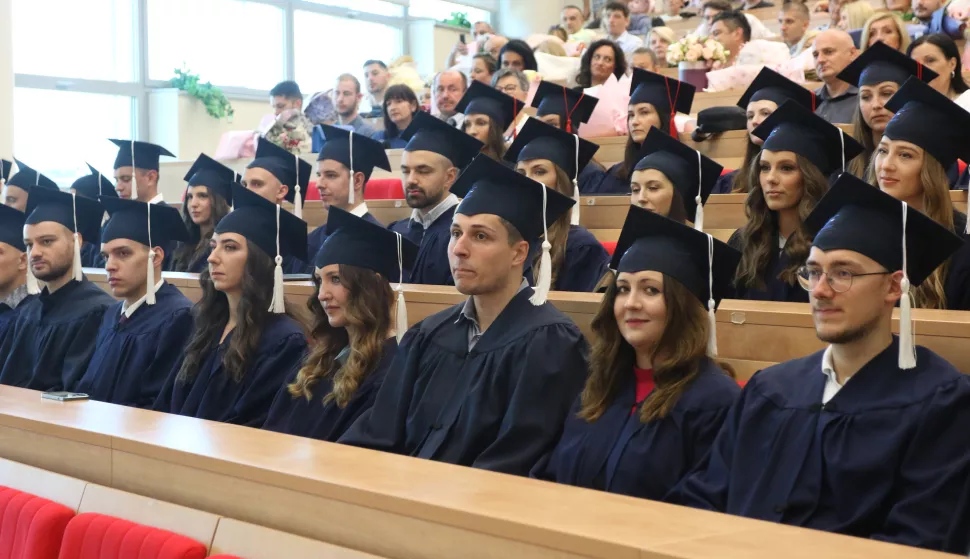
(207, 199)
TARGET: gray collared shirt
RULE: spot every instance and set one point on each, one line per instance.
(469, 316)
(16, 297)
(837, 110)
(430, 217)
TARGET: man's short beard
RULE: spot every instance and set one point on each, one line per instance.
(850, 335)
(55, 273)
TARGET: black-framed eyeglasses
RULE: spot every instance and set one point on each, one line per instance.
(839, 280)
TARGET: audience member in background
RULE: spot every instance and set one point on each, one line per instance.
(449, 87)
(514, 362)
(640, 19)
(658, 40)
(378, 79)
(877, 427)
(400, 105)
(142, 337)
(671, 10)
(342, 174)
(432, 161)
(483, 67)
(493, 46)
(886, 27)
(352, 341)
(49, 341)
(794, 19)
(207, 199)
(833, 51)
(488, 114)
(6, 167)
(854, 15)
(932, 14)
(654, 99)
(138, 178)
(517, 55)
(616, 20)
(731, 29)
(788, 178)
(765, 94)
(555, 158)
(901, 8)
(13, 265)
(559, 33)
(513, 83)
(878, 73)
(653, 401)
(572, 20)
(755, 4)
(292, 130)
(346, 99)
(93, 186)
(939, 53)
(711, 8)
(602, 58)
(244, 345)
(16, 189)
(552, 47)
(925, 137)
(644, 59)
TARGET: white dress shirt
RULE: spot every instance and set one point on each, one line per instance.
(157, 199)
(360, 211)
(427, 219)
(832, 385)
(130, 310)
(628, 43)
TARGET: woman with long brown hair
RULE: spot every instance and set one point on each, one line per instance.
(244, 345)
(926, 135)
(353, 339)
(488, 113)
(550, 156)
(655, 398)
(206, 201)
(801, 151)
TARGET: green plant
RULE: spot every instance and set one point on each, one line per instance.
(215, 101)
(458, 19)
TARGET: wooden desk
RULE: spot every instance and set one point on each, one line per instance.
(388, 505)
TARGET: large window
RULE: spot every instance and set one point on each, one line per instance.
(228, 42)
(440, 9)
(323, 49)
(377, 7)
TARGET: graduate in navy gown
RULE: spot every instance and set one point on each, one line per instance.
(17, 190)
(244, 345)
(654, 100)
(486, 383)
(488, 114)
(142, 337)
(801, 150)
(870, 437)
(337, 167)
(13, 266)
(278, 175)
(654, 399)
(353, 340)
(432, 161)
(49, 342)
(549, 155)
(93, 186)
(207, 199)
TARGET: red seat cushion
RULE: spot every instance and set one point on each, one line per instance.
(311, 191)
(384, 189)
(99, 536)
(726, 171)
(961, 166)
(224, 557)
(610, 246)
(30, 527)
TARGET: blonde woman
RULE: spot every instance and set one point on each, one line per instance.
(658, 39)
(886, 27)
(854, 15)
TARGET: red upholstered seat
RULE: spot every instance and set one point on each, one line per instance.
(610, 246)
(961, 166)
(384, 189)
(726, 171)
(99, 536)
(30, 527)
(311, 191)
(224, 557)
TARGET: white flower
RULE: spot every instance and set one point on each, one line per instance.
(708, 53)
(694, 53)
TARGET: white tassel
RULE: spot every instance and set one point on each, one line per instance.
(350, 192)
(699, 215)
(907, 343)
(574, 219)
(545, 276)
(78, 272)
(401, 315)
(298, 202)
(967, 229)
(150, 294)
(699, 212)
(276, 305)
(711, 318)
(134, 173)
(33, 286)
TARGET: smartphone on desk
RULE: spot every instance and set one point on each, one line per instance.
(64, 396)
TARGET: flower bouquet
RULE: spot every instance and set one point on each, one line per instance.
(694, 56)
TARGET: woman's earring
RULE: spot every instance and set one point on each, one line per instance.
(953, 74)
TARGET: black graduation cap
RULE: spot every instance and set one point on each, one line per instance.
(208, 172)
(27, 178)
(254, 217)
(650, 241)
(45, 204)
(485, 100)
(666, 94)
(769, 85)
(358, 242)
(795, 128)
(573, 107)
(94, 185)
(367, 153)
(12, 227)
(5, 167)
(881, 63)
(538, 140)
(285, 166)
(427, 133)
(930, 120)
(129, 219)
(691, 173)
(146, 154)
(714, 120)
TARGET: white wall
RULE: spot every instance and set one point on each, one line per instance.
(6, 79)
(521, 18)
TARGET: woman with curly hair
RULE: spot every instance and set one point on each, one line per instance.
(602, 58)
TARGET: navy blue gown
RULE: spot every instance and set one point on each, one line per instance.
(619, 454)
(609, 184)
(725, 183)
(293, 265)
(775, 288)
(8, 314)
(498, 407)
(431, 267)
(133, 359)
(48, 344)
(91, 255)
(589, 179)
(215, 396)
(956, 286)
(326, 422)
(886, 458)
(585, 263)
(317, 237)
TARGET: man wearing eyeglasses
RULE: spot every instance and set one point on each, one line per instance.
(871, 436)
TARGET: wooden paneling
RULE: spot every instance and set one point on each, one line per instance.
(256, 542)
(54, 487)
